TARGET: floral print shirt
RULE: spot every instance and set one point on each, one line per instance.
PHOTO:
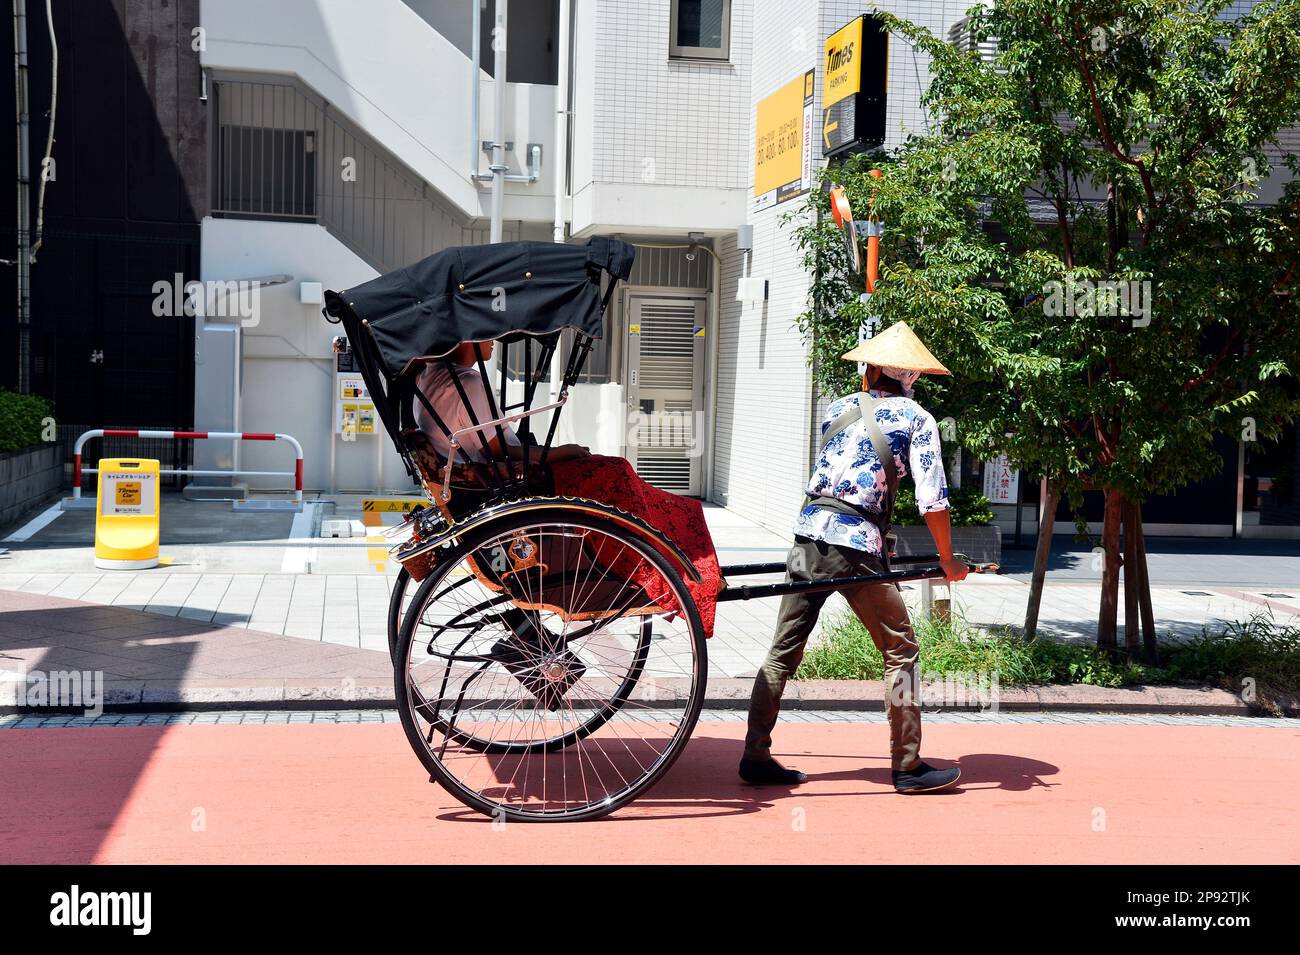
(848, 468)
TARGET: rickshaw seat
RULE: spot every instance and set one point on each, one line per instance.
(467, 493)
(467, 488)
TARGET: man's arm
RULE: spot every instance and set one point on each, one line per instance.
(926, 466)
(940, 530)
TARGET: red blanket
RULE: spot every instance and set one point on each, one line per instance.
(680, 519)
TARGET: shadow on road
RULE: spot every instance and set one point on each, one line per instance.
(703, 783)
(57, 810)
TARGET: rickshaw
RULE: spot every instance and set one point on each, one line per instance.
(550, 663)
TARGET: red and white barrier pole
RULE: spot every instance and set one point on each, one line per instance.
(296, 473)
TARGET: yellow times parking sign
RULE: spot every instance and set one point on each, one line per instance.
(128, 493)
(855, 81)
(126, 515)
(843, 75)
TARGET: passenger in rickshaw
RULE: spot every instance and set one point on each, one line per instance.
(436, 384)
(576, 472)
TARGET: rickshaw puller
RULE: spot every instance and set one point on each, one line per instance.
(842, 531)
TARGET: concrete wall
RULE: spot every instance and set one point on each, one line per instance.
(659, 144)
(396, 78)
(287, 367)
(121, 211)
(533, 27)
(28, 479)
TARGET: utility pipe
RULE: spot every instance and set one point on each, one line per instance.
(499, 167)
(561, 147)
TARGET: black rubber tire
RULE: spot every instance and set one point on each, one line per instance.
(407, 703)
(395, 608)
(395, 602)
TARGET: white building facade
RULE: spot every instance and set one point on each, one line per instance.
(347, 136)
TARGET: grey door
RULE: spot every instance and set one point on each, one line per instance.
(665, 357)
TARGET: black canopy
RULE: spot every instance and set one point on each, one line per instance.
(481, 293)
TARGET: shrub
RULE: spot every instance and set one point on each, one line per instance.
(21, 418)
(967, 507)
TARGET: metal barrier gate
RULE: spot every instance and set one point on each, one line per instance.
(296, 473)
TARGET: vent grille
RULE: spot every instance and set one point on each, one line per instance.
(670, 268)
(667, 345)
(665, 438)
(962, 37)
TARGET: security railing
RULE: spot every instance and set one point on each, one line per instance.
(280, 153)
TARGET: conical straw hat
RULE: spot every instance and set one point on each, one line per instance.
(897, 347)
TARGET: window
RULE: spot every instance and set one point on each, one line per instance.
(700, 29)
(266, 172)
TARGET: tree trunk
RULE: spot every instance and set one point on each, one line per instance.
(1150, 655)
(1042, 553)
(1132, 581)
(1106, 616)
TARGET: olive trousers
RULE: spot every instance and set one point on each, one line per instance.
(880, 608)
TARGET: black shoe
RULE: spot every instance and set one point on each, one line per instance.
(768, 772)
(924, 778)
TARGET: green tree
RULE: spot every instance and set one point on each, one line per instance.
(1080, 235)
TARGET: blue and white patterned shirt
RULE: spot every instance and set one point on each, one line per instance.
(849, 469)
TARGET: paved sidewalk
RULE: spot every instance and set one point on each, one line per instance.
(153, 660)
(350, 610)
(309, 614)
(150, 660)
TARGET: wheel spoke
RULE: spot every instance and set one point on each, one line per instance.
(522, 656)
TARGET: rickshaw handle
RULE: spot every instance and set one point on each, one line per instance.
(778, 567)
(822, 585)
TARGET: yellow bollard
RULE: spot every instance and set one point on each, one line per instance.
(126, 514)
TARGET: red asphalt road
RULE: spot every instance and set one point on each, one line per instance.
(1033, 793)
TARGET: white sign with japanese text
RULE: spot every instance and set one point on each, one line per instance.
(1001, 481)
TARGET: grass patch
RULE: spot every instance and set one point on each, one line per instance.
(1259, 658)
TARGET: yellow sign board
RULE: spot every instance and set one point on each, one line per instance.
(390, 504)
(354, 409)
(126, 514)
(842, 72)
(782, 142)
(855, 86)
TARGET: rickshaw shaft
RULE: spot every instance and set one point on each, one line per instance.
(752, 591)
(750, 570)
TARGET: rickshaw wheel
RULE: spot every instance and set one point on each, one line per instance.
(396, 608)
(520, 702)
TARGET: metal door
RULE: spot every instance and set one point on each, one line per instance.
(664, 372)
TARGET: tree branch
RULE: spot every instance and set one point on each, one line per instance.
(1103, 128)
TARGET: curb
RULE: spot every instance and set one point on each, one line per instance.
(722, 694)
